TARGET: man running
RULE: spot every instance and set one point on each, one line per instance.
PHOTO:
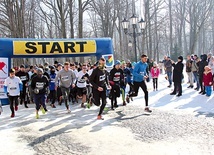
(39, 85)
(99, 82)
(66, 79)
(139, 77)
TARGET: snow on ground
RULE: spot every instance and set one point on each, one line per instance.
(190, 102)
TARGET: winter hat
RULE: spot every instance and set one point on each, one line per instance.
(117, 62)
(40, 71)
(123, 62)
(59, 64)
(181, 58)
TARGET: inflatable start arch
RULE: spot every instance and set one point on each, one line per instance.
(50, 48)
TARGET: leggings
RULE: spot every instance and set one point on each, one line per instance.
(65, 94)
(155, 83)
(52, 96)
(131, 87)
(143, 86)
(97, 95)
(13, 99)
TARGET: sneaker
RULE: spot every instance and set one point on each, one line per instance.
(37, 116)
(68, 111)
(203, 93)
(115, 105)
(190, 86)
(12, 115)
(169, 86)
(16, 108)
(99, 117)
(43, 110)
(88, 105)
(127, 99)
(82, 105)
(200, 92)
(25, 105)
(179, 95)
(172, 93)
(147, 110)
(53, 106)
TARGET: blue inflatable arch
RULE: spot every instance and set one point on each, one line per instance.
(51, 48)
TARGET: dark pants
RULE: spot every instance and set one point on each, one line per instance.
(65, 94)
(59, 93)
(24, 97)
(73, 94)
(52, 96)
(177, 88)
(155, 83)
(13, 99)
(39, 99)
(131, 87)
(201, 83)
(97, 95)
(115, 92)
(143, 87)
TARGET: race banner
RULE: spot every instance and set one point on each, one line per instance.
(54, 47)
(3, 76)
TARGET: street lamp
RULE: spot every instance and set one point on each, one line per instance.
(134, 34)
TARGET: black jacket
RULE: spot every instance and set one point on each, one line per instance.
(99, 78)
(40, 82)
(178, 72)
(117, 76)
(24, 76)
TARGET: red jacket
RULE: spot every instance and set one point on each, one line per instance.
(207, 79)
(155, 71)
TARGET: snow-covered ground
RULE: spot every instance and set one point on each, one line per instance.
(83, 121)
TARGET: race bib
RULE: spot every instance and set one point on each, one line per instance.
(39, 85)
(64, 78)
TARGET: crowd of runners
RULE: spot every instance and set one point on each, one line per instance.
(84, 84)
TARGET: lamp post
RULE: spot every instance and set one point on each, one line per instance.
(134, 34)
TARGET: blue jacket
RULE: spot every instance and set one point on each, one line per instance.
(139, 71)
(52, 81)
(129, 72)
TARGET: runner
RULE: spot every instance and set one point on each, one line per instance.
(139, 77)
(66, 79)
(116, 81)
(24, 77)
(99, 82)
(52, 95)
(13, 88)
(82, 78)
(39, 85)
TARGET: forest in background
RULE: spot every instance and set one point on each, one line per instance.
(173, 27)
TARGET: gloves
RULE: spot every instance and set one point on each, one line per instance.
(147, 79)
(111, 83)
